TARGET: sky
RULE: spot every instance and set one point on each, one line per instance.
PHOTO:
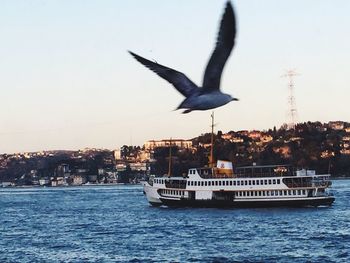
(67, 81)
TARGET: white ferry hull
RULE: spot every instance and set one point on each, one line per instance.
(151, 194)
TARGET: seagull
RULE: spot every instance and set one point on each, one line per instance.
(209, 95)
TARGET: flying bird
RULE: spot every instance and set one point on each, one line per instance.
(209, 95)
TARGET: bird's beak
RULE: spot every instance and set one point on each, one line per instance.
(234, 99)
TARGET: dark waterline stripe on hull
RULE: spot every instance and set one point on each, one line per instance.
(247, 204)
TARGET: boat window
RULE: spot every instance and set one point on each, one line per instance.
(216, 183)
(289, 192)
(265, 181)
(246, 183)
(231, 182)
(253, 182)
(285, 192)
(234, 182)
(278, 181)
(195, 183)
(220, 182)
(304, 192)
(202, 183)
(238, 182)
(272, 193)
(267, 193)
(274, 181)
(259, 193)
(256, 193)
(294, 192)
(243, 193)
(299, 192)
(276, 192)
(250, 182)
(205, 183)
(280, 192)
(257, 182)
(270, 181)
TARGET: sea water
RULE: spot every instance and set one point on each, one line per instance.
(116, 224)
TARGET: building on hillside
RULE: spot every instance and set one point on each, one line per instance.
(346, 138)
(44, 181)
(121, 167)
(345, 151)
(266, 138)
(58, 181)
(77, 180)
(327, 154)
(117, 154)
(283, 151)
(138, 167)
(226, 136)
(255, 135)
(152, 144)
(205, 145)
(144, 156)
(236, 140)
(336, 125)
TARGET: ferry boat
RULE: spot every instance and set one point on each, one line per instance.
(249, 186)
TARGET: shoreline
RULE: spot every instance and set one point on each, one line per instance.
(63, 186)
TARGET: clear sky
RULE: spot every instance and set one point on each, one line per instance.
(67, 81)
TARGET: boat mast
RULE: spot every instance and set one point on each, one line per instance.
(170, 157)
(211, 159)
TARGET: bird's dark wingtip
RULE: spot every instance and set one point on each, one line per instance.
(132, 53)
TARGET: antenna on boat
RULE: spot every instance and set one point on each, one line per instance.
(211, 159)
(170, 157)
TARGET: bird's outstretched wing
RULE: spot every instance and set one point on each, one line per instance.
(183, 84)
(224, 45)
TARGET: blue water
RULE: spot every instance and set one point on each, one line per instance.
(116, 224)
